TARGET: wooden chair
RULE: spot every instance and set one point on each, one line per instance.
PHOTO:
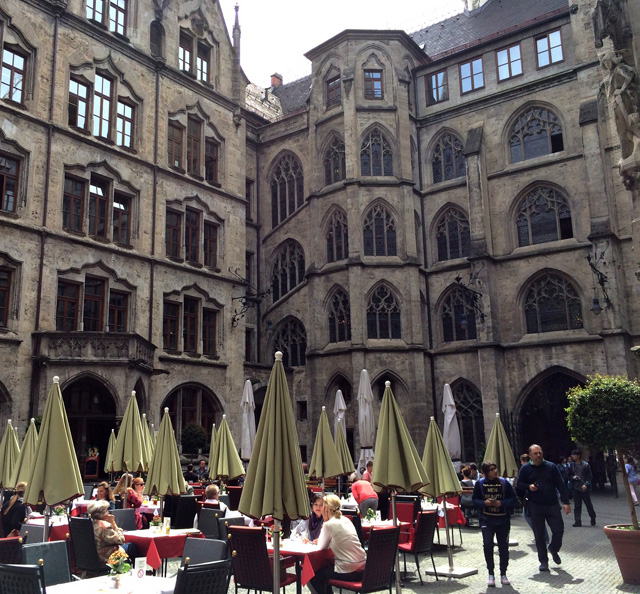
(22, 579)
(422, 541)
(55, 555)
(212, 578)
(10, 551)
(252, 568)
(381, 559)
(83, 546)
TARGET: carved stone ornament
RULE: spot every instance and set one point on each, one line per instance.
(199, 25)
(609, 20)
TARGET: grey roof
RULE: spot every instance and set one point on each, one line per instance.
(293, 95)
(494, 17)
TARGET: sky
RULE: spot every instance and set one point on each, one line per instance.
(277, 34)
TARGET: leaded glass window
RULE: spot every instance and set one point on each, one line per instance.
(383, 314)
(291, 339)
(552, 304)
(288, 269)
(287, 189)
(471, 419)
(543, 216)
(337, 237)
(537, 132)
(379, 233)
(335, 163)
(376, 157)
(453, 235)
(458, 317)
(448, 160)
(340, 318)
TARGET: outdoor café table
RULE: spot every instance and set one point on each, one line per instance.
(454, 514)
(307, 555)
(58, 525)
(79, 507)
(129, 584)
(148, 507)
(368, 525)
(156, 546)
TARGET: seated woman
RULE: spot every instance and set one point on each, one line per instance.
(104, 494)
(14, 512)
(311, 527)
(212, 494)
(339, 535)
(130, 490)
(109, 538)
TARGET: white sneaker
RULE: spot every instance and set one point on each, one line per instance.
(504, 580)
(491, 582)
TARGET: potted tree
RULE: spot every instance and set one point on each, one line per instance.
(603, 415)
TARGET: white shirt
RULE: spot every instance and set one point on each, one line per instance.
(223, 506)
(339, 535)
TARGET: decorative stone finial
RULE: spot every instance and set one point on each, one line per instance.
(133, 393)
(224, 417)
(324, 408)
(497, 415)
(432, 418)
(9, 422)
(56, 379)
(387, 384)
(278, 355)
(33, 421)
(166, 410)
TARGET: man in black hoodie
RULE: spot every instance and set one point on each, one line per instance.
(538, 482)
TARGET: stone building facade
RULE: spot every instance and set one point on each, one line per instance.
(440, 207)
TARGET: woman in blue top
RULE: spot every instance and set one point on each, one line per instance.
(632, 477)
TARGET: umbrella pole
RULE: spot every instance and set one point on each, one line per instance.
(323, 486)
(395, 523)
(276, 556)
(446, 527)
(47, 514)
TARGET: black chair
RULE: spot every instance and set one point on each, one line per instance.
(234, 497)
(204, 578)
(354, 516)
(203, 550)
(31, 533)
(223, 526)
(422, 541)
(55, 555)
(88, 491)
(208, 522)
(21, 579)
(10, 551)
(83, 546)
(125, 518)
(186, 508)
(118, 501)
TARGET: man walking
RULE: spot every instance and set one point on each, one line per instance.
(581, 479)
(539, 480)
(494, 498)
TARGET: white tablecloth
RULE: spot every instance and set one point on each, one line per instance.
(128, 585)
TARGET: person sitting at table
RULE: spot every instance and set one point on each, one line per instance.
(365, 496)
(130, 490)
(202, 471)
(311, 527)
(339, 535)
(212, 495)
(15, 511)
(190, 476)
(109, 538)
(104, 493)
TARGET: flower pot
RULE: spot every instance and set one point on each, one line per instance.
(626, 547)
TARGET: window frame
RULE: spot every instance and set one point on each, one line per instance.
(472, 75)
(118, 215)
(389, 313)
(176, 234)
(93, 320)
(509, 62)
(185, 47)
(80, 101)
(96, 201)
(14, 71)
(172, 142)
(170, 320)
(190, 323)
(431, 100)
(124, 121)
(209, 332)
(549, 48)
(62, 318)
(333, 91)
(200, 61)
(210, 245)
(120, 312)
(5, 295)
(3, 184)
(370, 80)
(192, 219)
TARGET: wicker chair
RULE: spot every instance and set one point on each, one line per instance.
(21, 579)
(10, 551)
(422, 541)
(83, 546)
(55, 555)
(205, 578)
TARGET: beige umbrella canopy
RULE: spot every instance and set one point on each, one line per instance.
(9, 452)
(346, 461)
(129, 453)
(108, 459)
(55, 476)
(165, 471)
(499, 450)
(212, 446)
(324, 461)
(27, 455)
(225, 463)
(146, 438)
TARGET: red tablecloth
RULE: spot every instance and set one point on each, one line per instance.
(454, 517)
(311, 559)
(57, 530)
(405, 529)
(157, 546)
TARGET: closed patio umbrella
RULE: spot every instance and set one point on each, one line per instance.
(212, 446)
(226, 463)
(108, 459)
(346, 461)
(275, 482)
(55, 476)
(248, 405)
(129, 453)
(339, 408)
(27, 455)
(444, 482)
(324, 460)
(146, 436)
(366, 421)
(9, 453)
(398, 467)
(165, 471)
(451, 432)
(499, 451)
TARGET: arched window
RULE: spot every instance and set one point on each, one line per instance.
(471, 419)
(291, 339)
(536, 132)
(376, 157)
(287, 189)
(383, 314)
(334, 163)
(551, 304)
(337, 237)
(340, 318)
(191, 403)
(288, 269)
(453, 235)
(379, 233)
(458, 317)
(156, 39)
(544, 215)
(448, 160)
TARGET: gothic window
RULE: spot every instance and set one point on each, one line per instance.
(5, 292)
(543, 216)
(287, 189)
(156, 39)
(379, 233)
(453, 235)
(536, 132)
(337, 237)
(373, 84)
(376, 157)
(471, 419)
(551, 304)
(288, 269)
(458, 317)
(383, 314)
(334, 163)
(291, 339)
(333, 89)
(447, 161)
(340, 318)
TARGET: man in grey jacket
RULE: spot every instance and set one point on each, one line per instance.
(581, 480)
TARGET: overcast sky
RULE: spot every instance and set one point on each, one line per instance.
(277, 34)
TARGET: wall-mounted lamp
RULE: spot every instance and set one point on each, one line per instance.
(596, 260)
(474, 298)
(250, 299)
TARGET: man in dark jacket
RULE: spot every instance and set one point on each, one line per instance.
(581, 482)
(495, 499)
(538, 482)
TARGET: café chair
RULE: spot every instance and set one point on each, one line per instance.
(83, 547)
(55, 555)
(25, 579)
(125, 518)
(252, 567)
(234, 497)
(422, 541)
(88, 491)
(223, 530)
(31, 533)
(380, 565)
(10, 551)
(208, 522)
(354, 516)
(186, 510)
(202, 550)
(212, 578)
